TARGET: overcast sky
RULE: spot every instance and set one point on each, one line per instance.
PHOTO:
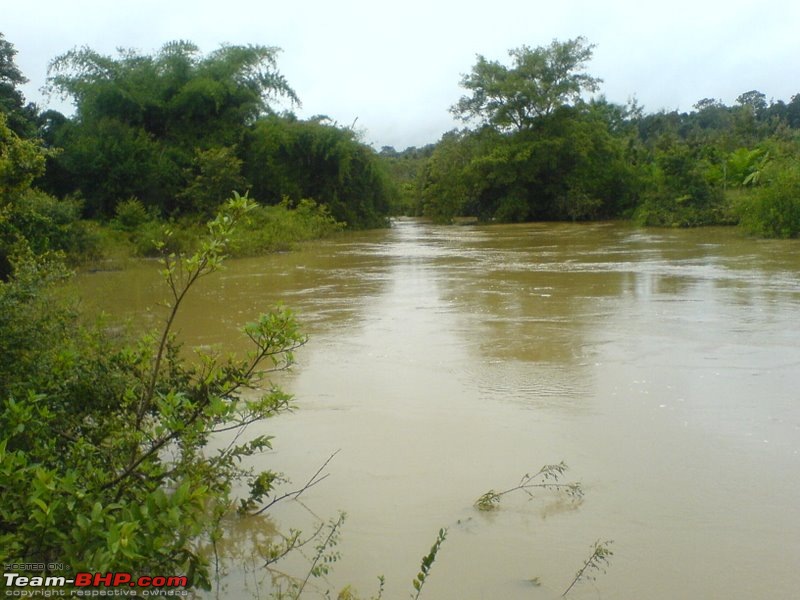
(396, 66)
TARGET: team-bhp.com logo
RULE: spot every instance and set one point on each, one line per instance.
(94, 584)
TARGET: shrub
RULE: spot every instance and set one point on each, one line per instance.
(46, 224)
(104, 460)
(279, 228)
(130, 214)
(773, 210)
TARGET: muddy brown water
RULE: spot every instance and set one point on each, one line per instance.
(662, 366)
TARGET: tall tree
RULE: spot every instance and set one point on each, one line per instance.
(141, 119)
(20, 116)
(316, 159)
(539, 81)
(754, 100)
(173, 89)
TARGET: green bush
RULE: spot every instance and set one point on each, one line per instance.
(267, 229)
(279, 228)
(46, 224)
(104, 458)
(30, 217)
(679, 189)
(773, 210)
(130, 214)
(681, 211)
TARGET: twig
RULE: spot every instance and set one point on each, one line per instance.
(320, 551)
(314, 480)
(427, 563)
(599, 557)
(293, 543)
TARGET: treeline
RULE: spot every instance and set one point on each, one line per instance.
(176, 131)
(173, 133)
(536, 149)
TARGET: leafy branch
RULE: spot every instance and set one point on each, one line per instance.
(427, 562)
(598, 561)
(325, 556)
(547, 478)
(181, 273)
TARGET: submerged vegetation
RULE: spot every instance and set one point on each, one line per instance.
(134, 231)
(546, 478)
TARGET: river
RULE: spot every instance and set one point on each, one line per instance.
(663, 366)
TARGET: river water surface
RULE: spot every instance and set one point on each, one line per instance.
(662, 366)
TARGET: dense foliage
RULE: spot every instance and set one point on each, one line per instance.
(542, 151)
(566, 165)
(104, 448)
(178, 131)
(288, 158)
(20, 116)
(29, 217)
(109, 457)
(404, 169)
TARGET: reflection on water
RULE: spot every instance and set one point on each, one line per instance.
(662, 366)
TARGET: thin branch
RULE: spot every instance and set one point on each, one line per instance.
(154, 448)
(294, 544)
(314, 480)
(320, 551)
(597, 560)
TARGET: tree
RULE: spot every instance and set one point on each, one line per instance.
(141, 118)
(793, 111)
(754, 100)
(573, 165)
(539, 81)
(19, 115)
(215, 174)
(317, 160)
(174, 89)
(446, 186)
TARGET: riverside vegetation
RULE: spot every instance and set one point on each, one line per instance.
(104, 440)
(165, 138)
(538, 149)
